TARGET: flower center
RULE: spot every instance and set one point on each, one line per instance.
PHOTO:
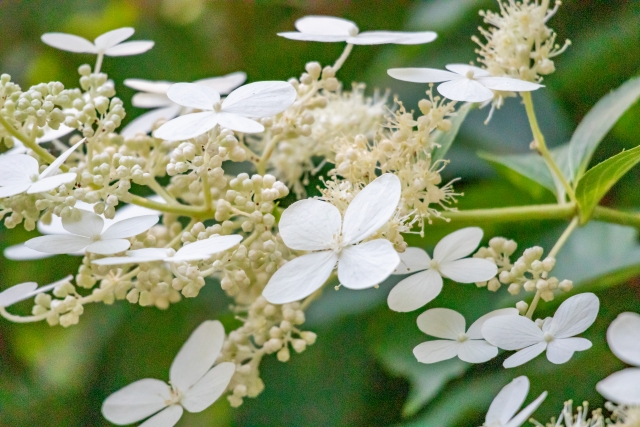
(469, 74)
(548, 337)
(462, 337)
(353, 31)
(337, 244)
(217, 107)
(34, 177)
(434, 265)
(174, 398)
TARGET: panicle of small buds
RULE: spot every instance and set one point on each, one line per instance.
(580, 419)
(623, 415)
(529, 272)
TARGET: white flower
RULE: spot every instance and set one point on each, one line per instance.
(195, 385)
(154, 95)
(22, 253)
(556, 336)
(623, 336)
(20, 173)
(331, 29)
(417, 290)
(314, 225)
(465, 82)
(27, 290)
(255, 100)
(449, 325)
(109, 44)
(503, 411)
(197, 251)
(87, 233)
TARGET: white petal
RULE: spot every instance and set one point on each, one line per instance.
(507, 402)
(575, 315)
(239, 123)
(52, 182)
(436, 351)
(136, 401)
(197, 355)
(476, 351)
(224, 84)
(120, 260)
(623, 337)
(69, 42)
(108, 247)
(511, 332)
(442, 323)
(144, 123)
(458, 244)
(17, 293)
(372, 207)
(55, 226)
(193, 95)
(260, 99)
(396, 37)
(475, 330)
(466, 90)
(621, 387)
(523, 356)
(411, 260)
(60, 244)
(23, 253)
(300, 277)
(326, 25)
(203, 249)
(51, 134)
(415, 291)
(310, 225)
(508, 84)
(16, 170)
(294, 35)
(209, 388)
(53, 167)
(13, 189)
(130, 48)
(157, 253)
(27, 290)
(367, 264)
(113, 37)
(469, 270)
(187, 126)
(166, 418)
(461, 69)
(422, 75)
(84, 223)
(559, 351)
(130, 227)
(159, 86)
(150, 100)
(524, 415)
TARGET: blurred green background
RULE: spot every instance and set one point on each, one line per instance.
(361, 371)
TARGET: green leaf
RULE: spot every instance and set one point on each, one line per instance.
(445, 139)
(533, 167)
(598, 180)
(597, 123)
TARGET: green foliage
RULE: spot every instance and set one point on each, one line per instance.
(597, 123)
(593, 186)
(445, 139)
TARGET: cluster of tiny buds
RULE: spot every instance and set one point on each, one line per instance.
(267, 329)
(65, 311)
(530, 272)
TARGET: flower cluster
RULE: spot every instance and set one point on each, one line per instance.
(384, 181)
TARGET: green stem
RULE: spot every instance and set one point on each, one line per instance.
(160, 191)
(178, 209)
(617, 217)
(552, 253)
(266, 154)
(98, 66)
(345, 54)
(513, 214)
(541, 146)
(30, 143)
